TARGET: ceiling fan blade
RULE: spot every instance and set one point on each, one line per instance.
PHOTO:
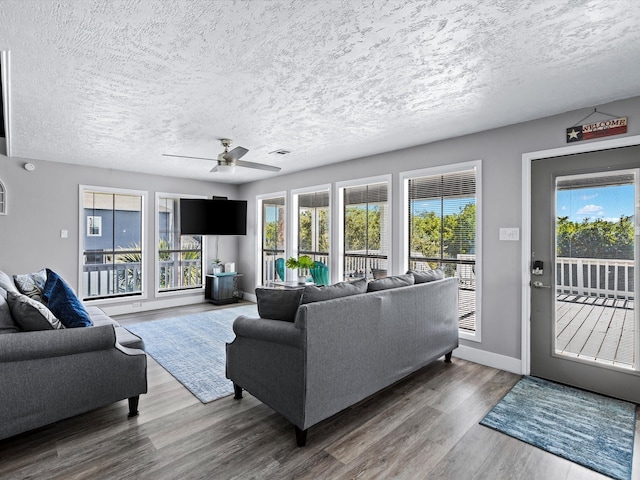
(259, 166)
(235, 154)
(184, 156)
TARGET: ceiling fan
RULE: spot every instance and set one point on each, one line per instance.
(229, 160)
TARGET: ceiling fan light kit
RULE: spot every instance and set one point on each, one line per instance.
(229, 160)
(223, 168)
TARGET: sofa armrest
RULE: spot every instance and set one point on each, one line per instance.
(22, 346)
(274, 331)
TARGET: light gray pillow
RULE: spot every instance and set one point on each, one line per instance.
(31, 315)
(391, 282)
(424, 276)
(31, 284)
(278, 304)
(337, 290)
(7, 283)
(7, 324)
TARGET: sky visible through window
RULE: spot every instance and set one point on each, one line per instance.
(605, 203)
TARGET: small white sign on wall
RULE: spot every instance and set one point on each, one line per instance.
(510, 234)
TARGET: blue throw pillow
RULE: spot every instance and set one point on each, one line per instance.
(63, 303)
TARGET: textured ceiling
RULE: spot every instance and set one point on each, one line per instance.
(118, 83)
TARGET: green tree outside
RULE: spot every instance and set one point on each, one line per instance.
(595, 238)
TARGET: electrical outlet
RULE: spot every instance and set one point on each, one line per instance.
(137, 304)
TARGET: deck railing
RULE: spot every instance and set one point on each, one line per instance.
(595, 277)
(125, 278)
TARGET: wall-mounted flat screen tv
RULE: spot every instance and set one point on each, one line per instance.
(199, 216)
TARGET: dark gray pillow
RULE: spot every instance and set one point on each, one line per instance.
(7, 324)
(337, 290)
(278, 304)
(424, 276)
(391, 282)
(31, 315)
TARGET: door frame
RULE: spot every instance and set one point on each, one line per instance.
(525, 261)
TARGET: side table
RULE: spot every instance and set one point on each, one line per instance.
(219, 288)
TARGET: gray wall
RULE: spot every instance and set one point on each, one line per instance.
(500, 151)
(45, 201)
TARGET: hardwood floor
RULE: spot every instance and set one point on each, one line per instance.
(424, 427)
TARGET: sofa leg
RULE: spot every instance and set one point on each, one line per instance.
(447, 357)
(237, 389)
(133, 406)
(301, 437)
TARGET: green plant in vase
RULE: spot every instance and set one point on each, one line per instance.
(303, 264)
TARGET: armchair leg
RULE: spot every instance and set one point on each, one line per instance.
(133, 406)
(447, 357)
(237, 389)
(301, 437)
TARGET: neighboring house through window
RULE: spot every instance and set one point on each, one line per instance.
(112, 245)
(179, 258)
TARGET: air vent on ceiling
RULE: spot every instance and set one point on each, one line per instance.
(280, 151)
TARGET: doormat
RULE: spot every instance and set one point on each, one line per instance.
(586, 428)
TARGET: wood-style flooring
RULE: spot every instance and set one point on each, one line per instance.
(424, 427)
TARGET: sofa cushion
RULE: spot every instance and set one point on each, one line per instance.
(337, 290)
(31, 315)
(7, 283)
(63, 303)
(31, 284)
(278, 304)
(424, 276)
(391, 282)
(7, 324)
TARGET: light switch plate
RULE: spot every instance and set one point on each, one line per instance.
(510, 234)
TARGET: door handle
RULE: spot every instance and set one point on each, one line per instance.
(538, 284)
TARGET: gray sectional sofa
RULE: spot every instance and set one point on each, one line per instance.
(340, 344)
(52, 373)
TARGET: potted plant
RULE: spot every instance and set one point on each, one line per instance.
(303, 264)
(216, 266)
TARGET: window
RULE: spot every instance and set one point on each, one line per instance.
(442, 232)
(178, 257)
(112, 247)
(313, 225)
(272, 214)
(365, 231)
(3, 199)
(94, 226)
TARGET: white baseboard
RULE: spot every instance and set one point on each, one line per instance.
(250, 297)
(127, 308)
(494, 360)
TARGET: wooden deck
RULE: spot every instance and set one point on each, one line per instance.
(596, 328)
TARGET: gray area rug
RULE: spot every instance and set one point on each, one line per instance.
(586, 428)
(192, 348)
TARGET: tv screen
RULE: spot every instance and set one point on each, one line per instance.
(199, 216)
